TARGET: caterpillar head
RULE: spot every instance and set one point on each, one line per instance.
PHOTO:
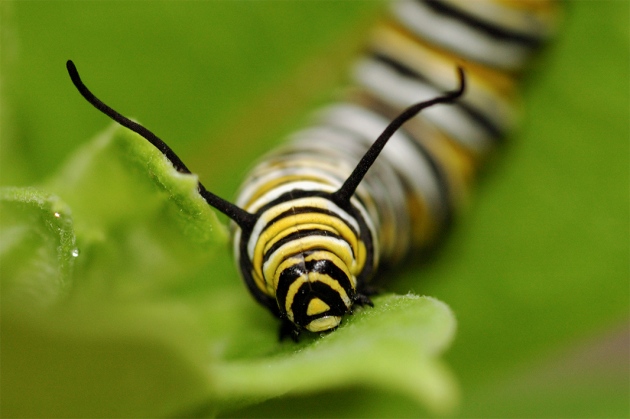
(315, 290)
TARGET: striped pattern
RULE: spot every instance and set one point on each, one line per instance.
(309, 258)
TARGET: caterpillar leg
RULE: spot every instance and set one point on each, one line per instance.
(288, 329)
(362, 299)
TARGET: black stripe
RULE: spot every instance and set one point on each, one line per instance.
(491, 128)
(292, 195)
(327, 267)
(400, 68)
(295, 194)
(483, 26)
(303, 210)
(300, 234)
(287, 277)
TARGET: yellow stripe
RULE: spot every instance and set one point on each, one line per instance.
(289, 224)
(307, 243)
(293, 289)
(300, 227)
(261, 283)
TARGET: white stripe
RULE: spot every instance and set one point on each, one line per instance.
(459, 37)
(402, 91)
(400, 152)
(515, 19)
(269, 173)
(275, 193)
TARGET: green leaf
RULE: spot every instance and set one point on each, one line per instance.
(37, 247)
(393, 347)
(100, 346)
(140, 224)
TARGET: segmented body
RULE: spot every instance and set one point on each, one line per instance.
(309, 256)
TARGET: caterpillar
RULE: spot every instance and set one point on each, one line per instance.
(315, 219)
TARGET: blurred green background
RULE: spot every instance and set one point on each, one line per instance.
(536, 272)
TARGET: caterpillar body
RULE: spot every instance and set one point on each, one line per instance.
(315, 219)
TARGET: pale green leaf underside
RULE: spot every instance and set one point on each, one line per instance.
(37, 246)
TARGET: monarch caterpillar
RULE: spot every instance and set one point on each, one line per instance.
(315, 219)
